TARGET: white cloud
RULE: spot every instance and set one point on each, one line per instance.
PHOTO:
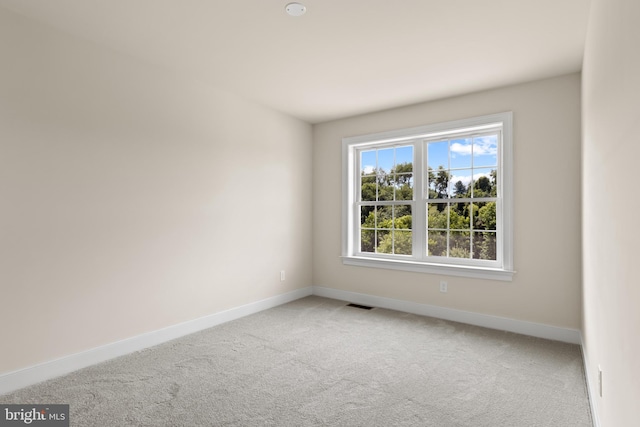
(368, 170)
(464, 149)
(483, 146)
(466, 179)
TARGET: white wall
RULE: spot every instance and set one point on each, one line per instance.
(546, 287)
(133, 199)
(610, 151)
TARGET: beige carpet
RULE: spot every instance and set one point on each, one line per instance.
(317, 362)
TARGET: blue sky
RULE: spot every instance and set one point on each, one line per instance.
(462, 165)
(484, 148)
(386, 158)
(485, 152)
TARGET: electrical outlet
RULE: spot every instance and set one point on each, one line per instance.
(282, 276)
(443, 286)
(600, 380)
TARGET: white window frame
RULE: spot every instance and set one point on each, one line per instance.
(501, 269)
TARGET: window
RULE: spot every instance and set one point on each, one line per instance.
(435, 199)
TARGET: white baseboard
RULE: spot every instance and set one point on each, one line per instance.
(592, 386)
(493, 322)
(24, 377)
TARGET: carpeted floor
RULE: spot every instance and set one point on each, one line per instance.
(317, 362)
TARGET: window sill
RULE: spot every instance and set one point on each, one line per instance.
(421, 267)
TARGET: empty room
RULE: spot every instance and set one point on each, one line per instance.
(345, 213)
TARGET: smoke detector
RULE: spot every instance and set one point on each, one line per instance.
(295, 9)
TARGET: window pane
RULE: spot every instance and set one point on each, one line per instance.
(368, 188)
(484, 216)
(461, 153)
(402, 215)
(385, 187)
(404, 186)
(384, 217)
(437, 215)
(367, 241)
(404, 159)
(460, 244)
(484, 183)
(368, 162)
(402, 242)
(459, 216)
(438, 155)
(437, 243)
(493, 177)
(484, 246)
(438, 183)
(385, 241)
(385, 160)
(367, 217)
(431, 185)
(460, 183)
(485, 151)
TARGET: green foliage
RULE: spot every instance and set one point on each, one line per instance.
(450, 224)
(392, 229)
(404, 188)
(459, 189)
(437, 216)
(459, 230)
(486, 217)
(398, 242)
(484, 246)
(394, 185)
(367, 241)
(437, 243)
(368, 191)
(404, 222)
(482, 184)
(457, 220)
(442, 182)
(459, 244)
(438, 183)
(494, 185)
(459, 252)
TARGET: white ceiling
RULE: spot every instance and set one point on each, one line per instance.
(343, 57)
